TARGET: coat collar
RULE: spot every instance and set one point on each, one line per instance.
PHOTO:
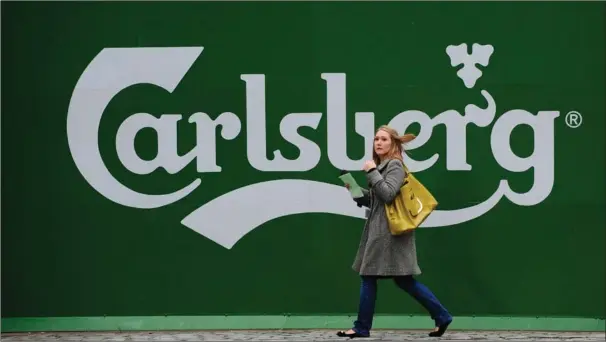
(383, 164)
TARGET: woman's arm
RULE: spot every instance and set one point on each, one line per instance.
(387, 187)
(364, 200)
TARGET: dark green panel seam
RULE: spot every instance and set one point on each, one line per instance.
(143, 323)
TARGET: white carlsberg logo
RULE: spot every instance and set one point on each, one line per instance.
(469, 73)
(115, 69)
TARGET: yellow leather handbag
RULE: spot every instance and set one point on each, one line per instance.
(411, 206)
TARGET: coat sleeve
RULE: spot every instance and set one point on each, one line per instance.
(387, 186)
(364, 200)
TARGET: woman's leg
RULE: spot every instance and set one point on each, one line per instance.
(428, 300)
(366, 309)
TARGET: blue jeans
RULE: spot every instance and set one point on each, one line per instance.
(368, 296)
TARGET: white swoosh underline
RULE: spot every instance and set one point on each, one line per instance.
(228, 218)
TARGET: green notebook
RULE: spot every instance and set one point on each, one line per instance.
(354, 189)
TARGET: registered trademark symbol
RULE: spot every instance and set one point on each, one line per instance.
(574, 119)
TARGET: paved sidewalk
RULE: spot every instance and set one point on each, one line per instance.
(305, 335)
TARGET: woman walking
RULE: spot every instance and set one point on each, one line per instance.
(380, 254)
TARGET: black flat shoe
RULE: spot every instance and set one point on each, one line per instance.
(345, 334)
(441, 330)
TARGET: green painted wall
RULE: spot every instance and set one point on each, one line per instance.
(69, 251)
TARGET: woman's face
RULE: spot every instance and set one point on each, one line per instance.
(382, 143)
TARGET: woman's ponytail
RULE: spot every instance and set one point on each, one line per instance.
(406, 138)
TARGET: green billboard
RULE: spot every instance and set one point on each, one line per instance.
(175, 165)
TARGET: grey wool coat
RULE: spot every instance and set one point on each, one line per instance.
(380, 253)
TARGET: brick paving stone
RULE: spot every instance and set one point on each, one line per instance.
(304, 335)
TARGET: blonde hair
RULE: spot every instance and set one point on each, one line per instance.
(396, 149)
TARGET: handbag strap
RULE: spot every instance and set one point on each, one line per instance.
(406, 168)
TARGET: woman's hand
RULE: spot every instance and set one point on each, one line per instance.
(369, 164)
